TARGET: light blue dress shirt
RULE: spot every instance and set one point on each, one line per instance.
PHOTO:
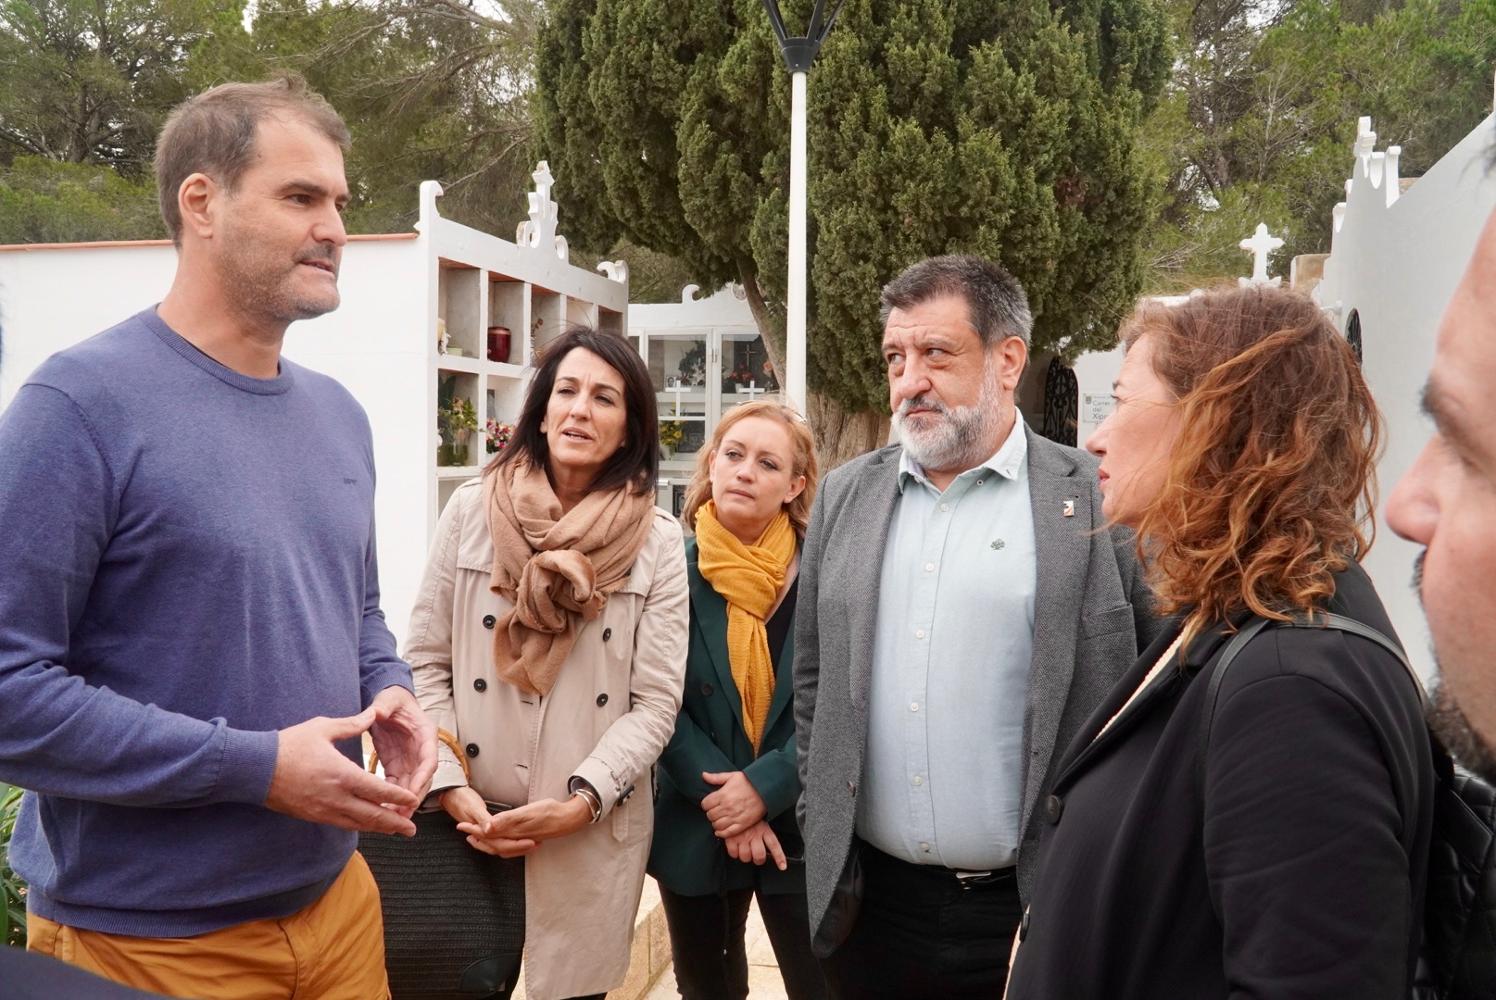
(943, 771)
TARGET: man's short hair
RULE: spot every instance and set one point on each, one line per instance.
(214, 134)
(999, 308)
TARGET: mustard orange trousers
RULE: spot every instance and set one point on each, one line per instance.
(331, 950)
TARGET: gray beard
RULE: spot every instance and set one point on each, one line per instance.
(1459, 737)
(959, 441)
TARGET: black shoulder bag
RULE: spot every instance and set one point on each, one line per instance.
(1457, 960)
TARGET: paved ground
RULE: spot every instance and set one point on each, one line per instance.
(763, 974)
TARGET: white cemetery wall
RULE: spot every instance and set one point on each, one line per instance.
(1395, 267)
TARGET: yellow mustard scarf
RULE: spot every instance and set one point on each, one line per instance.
(749, 578)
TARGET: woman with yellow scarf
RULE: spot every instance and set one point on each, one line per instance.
(725, 815)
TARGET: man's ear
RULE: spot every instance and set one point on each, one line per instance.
(1012, 358)
(198, 198)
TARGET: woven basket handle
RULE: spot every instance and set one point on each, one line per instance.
(450, 741)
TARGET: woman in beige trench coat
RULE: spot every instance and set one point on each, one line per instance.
(549, 636)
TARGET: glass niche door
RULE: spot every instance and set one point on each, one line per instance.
(698, 375)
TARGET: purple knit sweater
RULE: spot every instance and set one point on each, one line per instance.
(186, 566)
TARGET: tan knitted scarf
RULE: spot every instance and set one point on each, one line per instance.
(557, 569)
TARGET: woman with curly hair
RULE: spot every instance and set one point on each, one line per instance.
(1265, 835)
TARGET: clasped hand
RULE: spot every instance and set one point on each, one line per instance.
(315, 782)
(735, 806)
(518, 831)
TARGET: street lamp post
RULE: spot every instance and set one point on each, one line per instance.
(799, 52)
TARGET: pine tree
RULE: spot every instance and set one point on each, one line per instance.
(935, 126)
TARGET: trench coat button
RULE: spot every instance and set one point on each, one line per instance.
(472, 749)
(489, 621)
(479, 684)
(1053, 806)
(626, 793)
(707, 690)
(602, 700)
(607, 634)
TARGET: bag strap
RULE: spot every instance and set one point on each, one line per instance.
(1344, 624)
(1238, 642)
(445, 737)
(1323, 619)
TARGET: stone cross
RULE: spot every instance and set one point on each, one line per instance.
(1260, 245)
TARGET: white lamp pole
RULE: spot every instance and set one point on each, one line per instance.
(799, 53)
(794, 319)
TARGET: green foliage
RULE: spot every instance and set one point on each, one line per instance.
(1258, 121)
(430, 89)
(89, 81)
(43, 201)
(12, 889)
(1000, 129)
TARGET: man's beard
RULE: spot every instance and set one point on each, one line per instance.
(1459, 736)
(262, 287)
(1448, 721)
(957, 441)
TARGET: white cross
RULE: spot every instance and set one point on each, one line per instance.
(677, 388)
(1259, 246)
(752, 390)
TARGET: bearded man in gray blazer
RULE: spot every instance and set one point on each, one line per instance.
(962, 609)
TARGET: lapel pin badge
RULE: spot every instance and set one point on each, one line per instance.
(1067, 509)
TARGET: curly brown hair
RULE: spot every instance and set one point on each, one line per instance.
(1271, 484)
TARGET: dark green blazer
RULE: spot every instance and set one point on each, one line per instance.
(686, 856)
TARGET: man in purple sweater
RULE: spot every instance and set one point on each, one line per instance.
(190, 635)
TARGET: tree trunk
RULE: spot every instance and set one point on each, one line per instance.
(840, 434)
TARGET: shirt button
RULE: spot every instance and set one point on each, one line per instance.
(914, 706)
(480, 684)
(607, 634)
(980, 481)
(489, 621)
(472, 749)
(924, 847)
(919, 779)
(919, 633)
(929, 567)
(945, 506)
(602, 700)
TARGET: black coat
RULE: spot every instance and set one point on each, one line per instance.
(1292, 864)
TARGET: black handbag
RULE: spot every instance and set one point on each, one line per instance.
(454, 917)
(1457, 960)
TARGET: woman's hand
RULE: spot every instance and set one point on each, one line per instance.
(734, 806)
(545, 819)
(756, 845)
(471, 813)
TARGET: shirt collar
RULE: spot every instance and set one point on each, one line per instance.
(1007, 462)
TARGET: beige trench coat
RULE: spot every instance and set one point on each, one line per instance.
(607, 719)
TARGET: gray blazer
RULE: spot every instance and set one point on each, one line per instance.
(1091, 618)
